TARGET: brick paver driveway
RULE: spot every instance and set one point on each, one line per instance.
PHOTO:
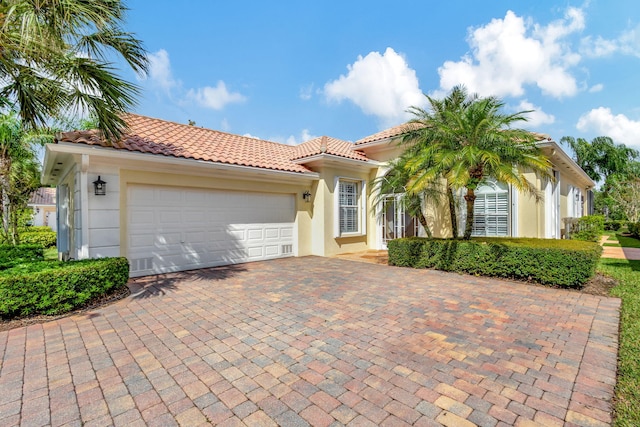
(318, 341)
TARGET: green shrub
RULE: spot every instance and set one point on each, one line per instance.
(588, 228)
(553, 262)
(54, 287)
(46, 239)
(33, 229)
(11, 256)
(614, 224)
(634, 229)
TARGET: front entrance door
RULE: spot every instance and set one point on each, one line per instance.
(396, 222)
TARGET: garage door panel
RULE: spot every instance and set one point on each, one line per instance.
(172, 229)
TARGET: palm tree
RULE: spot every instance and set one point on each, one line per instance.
(394, 182)
(55, 61)
(466, 140)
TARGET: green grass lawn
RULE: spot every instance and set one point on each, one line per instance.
(624, 241)
(627, 405)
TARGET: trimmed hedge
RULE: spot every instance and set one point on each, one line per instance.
(11, 256)
(566, 263)
(634, 229)
(54, 287)
(46, 239)
(589, 228)
(34, 229)
(614, 224)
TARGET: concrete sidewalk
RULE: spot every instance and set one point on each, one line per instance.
(618, 252)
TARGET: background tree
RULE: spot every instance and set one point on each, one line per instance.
(55, 61)
(626, 195)
(466, 140)
(19, 171)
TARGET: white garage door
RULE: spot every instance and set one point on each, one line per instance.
(173, 229)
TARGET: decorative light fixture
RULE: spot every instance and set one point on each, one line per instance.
(99, 187)
(306, 196)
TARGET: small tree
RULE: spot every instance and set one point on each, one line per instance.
(627, 196)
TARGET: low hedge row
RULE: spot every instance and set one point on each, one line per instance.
(54, 287)
(566, 263)
(11, 256)
(634, 229)
(46, 239)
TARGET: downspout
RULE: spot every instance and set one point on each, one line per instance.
(84, 207)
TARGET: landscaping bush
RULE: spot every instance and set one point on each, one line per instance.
(46, 239)
(54, 287)
(11, 256)
(34, 228)
(634, 229)
(553, 262)
(614, 224)
(588, 228)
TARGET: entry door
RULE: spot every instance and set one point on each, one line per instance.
(396, 222)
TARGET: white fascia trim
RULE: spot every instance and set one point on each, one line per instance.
(324, 156)
(72, 148)
(568, 159)
(377, 142)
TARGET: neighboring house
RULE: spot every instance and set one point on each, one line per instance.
(43, 203)
(181, 197)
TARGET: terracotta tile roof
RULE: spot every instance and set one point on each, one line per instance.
(43, 196)
(155, 136)
(388, 133)
(328, 145)
(403, 128)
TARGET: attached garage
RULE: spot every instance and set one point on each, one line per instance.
(175, 228)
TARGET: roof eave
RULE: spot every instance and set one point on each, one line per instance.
(110, 152)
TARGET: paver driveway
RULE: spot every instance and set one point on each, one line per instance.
(318, 341)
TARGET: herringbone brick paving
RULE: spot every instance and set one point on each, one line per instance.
(321, 342)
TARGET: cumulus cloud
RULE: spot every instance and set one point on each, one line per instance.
(596, 88)
(536, 117)
(304, 135)
(382, 85)
(216, 97)
(508, 54)
(306, 92)
(160, 75)
(619, 127)
(628, 43)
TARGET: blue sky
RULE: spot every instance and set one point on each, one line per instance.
(289, 71)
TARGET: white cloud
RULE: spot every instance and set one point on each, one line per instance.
(159, 72)
(508, 54)
(628, 43)
(305, 135)
(224, 125)
(248, 135)
(596, 88)
(537, 117)
(382, 85)
(216, 97)
(160, 75)
(619, 127)
(306, 92)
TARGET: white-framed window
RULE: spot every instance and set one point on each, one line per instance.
(491, 210)
(350, 212)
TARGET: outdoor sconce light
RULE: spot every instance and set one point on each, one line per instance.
(306, 196)
(99, 187)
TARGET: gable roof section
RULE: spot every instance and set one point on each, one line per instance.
(328, 145)
(43, 196)
(161, 137)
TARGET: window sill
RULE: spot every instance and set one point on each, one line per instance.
(356, 234)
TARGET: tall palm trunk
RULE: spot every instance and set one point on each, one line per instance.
(452, 212)
(423, 221)
(470, 198)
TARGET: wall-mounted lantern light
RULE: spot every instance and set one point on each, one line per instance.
(306, 196)
(99, 187)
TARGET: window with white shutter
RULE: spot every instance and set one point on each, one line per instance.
(349, 199)
(491, 210)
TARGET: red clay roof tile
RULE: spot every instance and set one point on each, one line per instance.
(43, 196)
(156, 136)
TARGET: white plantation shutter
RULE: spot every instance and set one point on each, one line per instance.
(350, 212)
(491, 211)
